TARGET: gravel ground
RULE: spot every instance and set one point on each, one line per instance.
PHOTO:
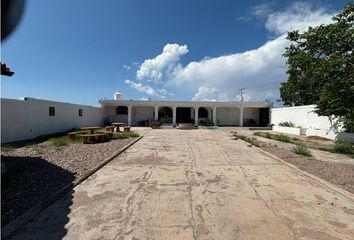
(35, 172)
(339, 174)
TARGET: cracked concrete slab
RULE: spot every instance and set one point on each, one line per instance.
(195, 184)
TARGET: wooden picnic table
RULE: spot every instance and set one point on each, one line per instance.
(117, 125)
(90, 129)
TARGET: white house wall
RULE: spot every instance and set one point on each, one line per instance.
(142, 114)
(227, 116)
(26, 119)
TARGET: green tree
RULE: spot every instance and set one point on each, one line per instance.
(320, 68)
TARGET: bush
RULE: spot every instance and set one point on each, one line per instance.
(343, 147)
(268, 135)
(123, 135)
(246, 139)
(286, 124)
(280, 137)
(301, 150)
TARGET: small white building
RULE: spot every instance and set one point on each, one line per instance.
(138, 112)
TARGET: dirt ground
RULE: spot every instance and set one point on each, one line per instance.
(333, 167)
(196, 184)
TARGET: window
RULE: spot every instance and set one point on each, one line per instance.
(202, 112)
(51, 111)
(122, 110)
(80, 112)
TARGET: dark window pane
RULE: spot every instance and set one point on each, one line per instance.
(51, 111)
(122, 110)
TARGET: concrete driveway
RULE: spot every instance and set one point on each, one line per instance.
(197, 184)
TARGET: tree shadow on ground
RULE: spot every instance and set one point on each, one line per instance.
(27, 182)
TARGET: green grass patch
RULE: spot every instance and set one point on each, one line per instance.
(123, 135)
(250, 140)
(343, 147)
(7, 148)
(277, 137)
(301, 150)
(60, 141)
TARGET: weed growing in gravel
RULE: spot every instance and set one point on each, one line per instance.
(301, 150)
(246, 139)
(343, 147)
(123, 135)
(278, 137)
(59, 141)
(7, 148)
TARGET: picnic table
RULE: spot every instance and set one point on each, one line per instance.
(90, 129)
(117, 125)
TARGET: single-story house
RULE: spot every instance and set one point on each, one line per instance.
(139, 112)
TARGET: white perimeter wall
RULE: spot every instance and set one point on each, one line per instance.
(27, 119)
(305, 117)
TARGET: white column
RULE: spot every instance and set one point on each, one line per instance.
(129, 115)
(196, 116)
(156, 113)
(214, 116)
(174, 113)
(241, 116)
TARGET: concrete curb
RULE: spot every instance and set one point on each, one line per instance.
(39, 207)
(314, 178)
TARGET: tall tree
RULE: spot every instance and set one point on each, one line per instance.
(320, 71)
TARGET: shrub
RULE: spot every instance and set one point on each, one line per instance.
(280, 137)
(268, 135)
(343, 147)
(301, 150)
(123, 135)
(246, 139)
(286, 124)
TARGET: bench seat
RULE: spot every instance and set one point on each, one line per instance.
(86, 137)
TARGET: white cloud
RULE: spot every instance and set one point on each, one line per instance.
(207, 93)
(259, 71)
(154, 69)
(298, 16)
(141, 88)
(224, 75)
(161, 93)
(261, 10)
(126, 67)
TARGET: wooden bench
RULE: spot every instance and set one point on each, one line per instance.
(71, 135)
(108, 134)
(109, 128)
(99, 136)
(127, 129)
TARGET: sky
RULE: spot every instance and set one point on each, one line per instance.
(205, 50)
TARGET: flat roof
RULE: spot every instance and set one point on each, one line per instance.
(183, 103)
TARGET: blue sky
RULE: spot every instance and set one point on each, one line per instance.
(81, 51)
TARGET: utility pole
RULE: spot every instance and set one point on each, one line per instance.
(241, 92)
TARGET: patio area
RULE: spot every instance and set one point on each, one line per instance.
(198, 184)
